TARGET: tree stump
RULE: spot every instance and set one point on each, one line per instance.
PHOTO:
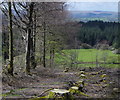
(82, 76)
(60, 93)
(75, 90)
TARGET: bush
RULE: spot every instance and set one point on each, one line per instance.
(111, 48)
(102, 46)
(85, 46)
(115, 45)
(116, 51)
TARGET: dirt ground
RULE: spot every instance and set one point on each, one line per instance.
(99, 82)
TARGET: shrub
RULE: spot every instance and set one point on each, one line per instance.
(85, 46)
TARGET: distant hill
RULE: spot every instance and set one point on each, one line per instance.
(93, 15)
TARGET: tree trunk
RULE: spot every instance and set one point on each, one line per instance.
(50, 57)
(5, 48)
(33, 63)
(28, 52)
(10, 69)
(44, 37)
(96, 61)
(53, 53)
(29, 33)
(44, 44)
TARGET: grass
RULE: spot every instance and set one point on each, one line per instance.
(90, 55)
(65, 58)
(87, 55)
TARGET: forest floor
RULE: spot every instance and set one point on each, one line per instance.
(99, 82)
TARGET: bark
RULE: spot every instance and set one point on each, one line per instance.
(29, 33)
(5, 48)
(33, 63)
(44, 44)
(97, 60)
(52, 55)
(50, 58)
(44, 36)
(10, 69)
(28, 52)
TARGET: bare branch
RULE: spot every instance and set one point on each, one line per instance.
(4, 12)
(18, 14)
(24, 6)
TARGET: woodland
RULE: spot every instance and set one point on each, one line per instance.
(46, 55)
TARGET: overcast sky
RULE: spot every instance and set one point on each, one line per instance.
(87, 5)
(93, 0)
(93, 6)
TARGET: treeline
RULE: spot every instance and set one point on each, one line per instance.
(93, 32)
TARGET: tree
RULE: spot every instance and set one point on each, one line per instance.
(44, 36)
(27, 16)
(48, 19)
(32, 23)
(5, 38)
(34, 40)
(29, 34)
(10, 69)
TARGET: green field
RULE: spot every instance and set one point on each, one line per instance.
(65, 58)
(87, 55)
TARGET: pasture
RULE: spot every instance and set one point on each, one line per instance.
(88, 57)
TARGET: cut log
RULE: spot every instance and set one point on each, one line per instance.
(75, 87)
(82, 76)
(60, 93)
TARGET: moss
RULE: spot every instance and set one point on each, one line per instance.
(60, 93)
(8, 66)
(80, 82)
(51, 95)
(39, 98)
(11, 93)
(56, 94)
(76, 91)
(103, 75)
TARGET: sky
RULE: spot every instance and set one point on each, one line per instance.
(93, 0)
(87, 5)
(93, 6)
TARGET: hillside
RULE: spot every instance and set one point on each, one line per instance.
(94, 15)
